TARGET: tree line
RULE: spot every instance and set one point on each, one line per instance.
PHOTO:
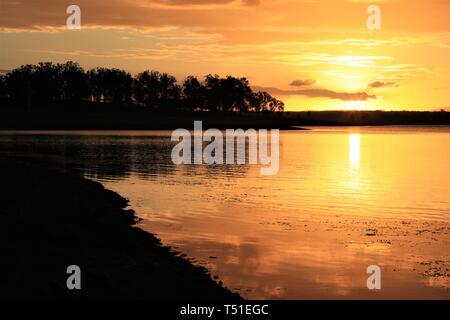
(48, 83)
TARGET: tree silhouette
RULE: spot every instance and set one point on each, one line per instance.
(155, 90)
(213, 93)
(146, 88)
(110, 85)
(194, 94)
(263, 101)
(75, 86)
(3, 90)
(169, 91)
(20, 86)
(47, 84)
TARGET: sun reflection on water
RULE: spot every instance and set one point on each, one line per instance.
(354, 149)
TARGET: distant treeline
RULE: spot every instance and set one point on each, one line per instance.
(367, 118)
(47, 84)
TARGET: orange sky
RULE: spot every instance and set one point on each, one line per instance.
(313, 54)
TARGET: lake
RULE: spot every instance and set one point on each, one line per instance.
(344, 198)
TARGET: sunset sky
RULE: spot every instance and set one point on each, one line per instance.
(312, 54)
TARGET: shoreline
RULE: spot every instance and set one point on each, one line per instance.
(97, 118)
(52, 219)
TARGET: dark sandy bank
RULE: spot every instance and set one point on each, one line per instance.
(50, 220)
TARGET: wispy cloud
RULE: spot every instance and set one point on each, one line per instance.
(382, 84)
(302, 83)
(319, 93)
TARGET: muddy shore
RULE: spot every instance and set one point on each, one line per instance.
(50, 220)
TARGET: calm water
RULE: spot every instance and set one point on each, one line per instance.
(292, 235)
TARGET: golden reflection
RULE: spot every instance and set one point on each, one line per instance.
(354, 142)
(270, 236)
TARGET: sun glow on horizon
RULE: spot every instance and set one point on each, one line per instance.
(358, 105)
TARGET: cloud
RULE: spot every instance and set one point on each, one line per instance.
(271, 14)
(301, 83)
(382, 84)
(140, 14)
(207, 2)
(194, 2)
(319, 93)
(251, 2)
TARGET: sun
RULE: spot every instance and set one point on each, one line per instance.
(357, 105)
